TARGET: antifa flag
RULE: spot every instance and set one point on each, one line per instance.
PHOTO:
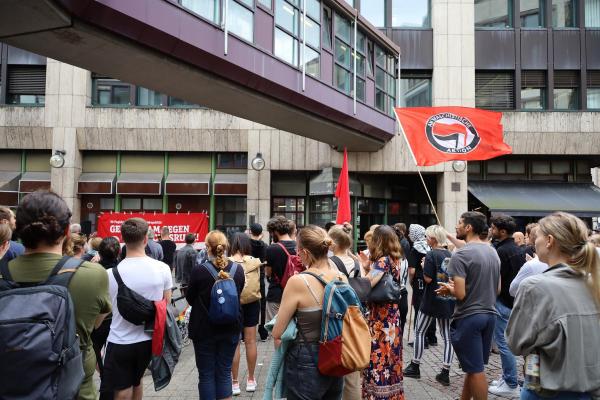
(438, 134)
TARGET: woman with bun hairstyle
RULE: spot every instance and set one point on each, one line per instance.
(555, 321)
(214, 345)
(383, 377)
(303, 299)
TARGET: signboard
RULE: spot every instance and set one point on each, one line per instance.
(109, 224)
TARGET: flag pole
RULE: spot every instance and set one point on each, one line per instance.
(419, 171)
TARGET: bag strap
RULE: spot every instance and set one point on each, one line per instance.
(64, 274)
(287, 253)
(211, 270)
(319, 278)
(117, 276)
(340, 265)
(356, 269)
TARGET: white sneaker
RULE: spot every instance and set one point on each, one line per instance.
(235, 388)
(496, 383)
(250, 385)
(503, 390)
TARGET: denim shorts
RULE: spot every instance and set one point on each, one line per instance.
(472, 340)
(303, 380)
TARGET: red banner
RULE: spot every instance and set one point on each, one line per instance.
(179, 224)
(438, 134)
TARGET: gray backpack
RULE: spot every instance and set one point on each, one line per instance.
(39, 346)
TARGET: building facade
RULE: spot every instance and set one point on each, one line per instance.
(129, 148)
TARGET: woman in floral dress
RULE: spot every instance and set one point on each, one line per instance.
(383, 377)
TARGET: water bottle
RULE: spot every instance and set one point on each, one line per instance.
(532, 372)
(443, 274)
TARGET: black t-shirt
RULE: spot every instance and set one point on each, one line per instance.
(277, 260)
(414, 261)
(169, 248)
(432, 304)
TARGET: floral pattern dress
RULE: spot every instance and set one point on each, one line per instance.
(383, 377)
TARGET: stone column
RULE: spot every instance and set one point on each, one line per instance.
(68, 91)
(259, 182)
(453, 24)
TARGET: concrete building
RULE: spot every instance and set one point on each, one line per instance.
(129, 148)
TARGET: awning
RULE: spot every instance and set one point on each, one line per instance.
(326, 182)
(187, 184)
(140, 183)
(32, 181)
(537, 199)
(9, 188)
(231, 184)
(96, 183)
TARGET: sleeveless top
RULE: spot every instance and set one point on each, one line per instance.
(308, 320)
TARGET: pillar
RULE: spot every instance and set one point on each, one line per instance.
(259, 182)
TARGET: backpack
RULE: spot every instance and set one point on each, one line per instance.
(345, 343)
(40, 356)
(251, 291)
(224, 308)
(293, 266)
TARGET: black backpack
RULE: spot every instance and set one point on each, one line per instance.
(40, 356)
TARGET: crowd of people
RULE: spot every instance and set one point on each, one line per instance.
(534, 294)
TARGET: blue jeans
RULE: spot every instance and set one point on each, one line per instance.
(527, 394)
(214, 357)
(509, 363)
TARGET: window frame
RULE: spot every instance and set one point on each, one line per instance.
(510, 18)
(296, 213)
(510, 73)
(423, 75)
(575, 16)
(388, 76)
(390, 19)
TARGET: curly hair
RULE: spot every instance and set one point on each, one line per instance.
(279, 224)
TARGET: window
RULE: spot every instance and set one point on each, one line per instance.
(107, 203)
(232, 161)
(110, 92)
(385, 81)
(560, 167)
(540, 167)
(592, 13)
(322, 210)
(374, 12)
(327, 25)
(474, 167)
(26, 84)
(231, 214)
(533, 90)
(152, 204)
(493, 14)
(240, 20)
(566, 93)
(128, 203)
(209, 9)
(532, 13)
(359, 58)
(415, 87)
(343, 55)
(494, 90)
(410, 14)
(286, 47)
(564, 14)
(266, 3)
(593, 90)
(289, 207)
(147, 97)
(175, 102)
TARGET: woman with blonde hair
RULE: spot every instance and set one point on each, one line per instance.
(556, 316)
(5, 236)
(433, 306)
(214, 344)
(383, 377)
(303, 299)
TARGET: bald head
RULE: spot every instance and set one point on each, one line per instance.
(519, 238)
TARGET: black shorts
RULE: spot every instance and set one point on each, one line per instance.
(124, 365)
(472, 340)
(251, 314)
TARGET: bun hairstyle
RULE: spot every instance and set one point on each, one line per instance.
(78, 241)
(43, 217)
(217, 245)
(571, 236)
(315, 241)
(400, 229)
(340, 235)
(385, 243)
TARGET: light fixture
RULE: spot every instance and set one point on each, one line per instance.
(459, 165)
(258, 163)
(58, 159)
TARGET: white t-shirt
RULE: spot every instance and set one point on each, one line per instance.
(148, 277)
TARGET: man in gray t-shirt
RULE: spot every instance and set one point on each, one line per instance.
(475, 282)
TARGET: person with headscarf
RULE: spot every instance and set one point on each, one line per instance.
(416, 234)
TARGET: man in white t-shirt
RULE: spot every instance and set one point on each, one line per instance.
(129, 348)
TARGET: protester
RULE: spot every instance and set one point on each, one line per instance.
(79, 245)
(156, 250)
(129, 348)
(303, 300)
(519, 239)
(529, 241)
(512, 259)
(346, 263)
(42, 223)
(15, 249)
(75, 228)
(475, 280)
(168, 246)
(416, 233)
(250, 300)
(259, 249)
(276, 259)
(328, 225)
(108, 252)
(5, 235)
(214, 344)
(93, 245)
(434, 306)
(554, 322)
(383, 377)
(185, 259)
(530, 268)
(400, 229)
(595, 239)
(293, 229)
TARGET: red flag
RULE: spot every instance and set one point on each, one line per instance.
(438, 134)
(342, 192)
